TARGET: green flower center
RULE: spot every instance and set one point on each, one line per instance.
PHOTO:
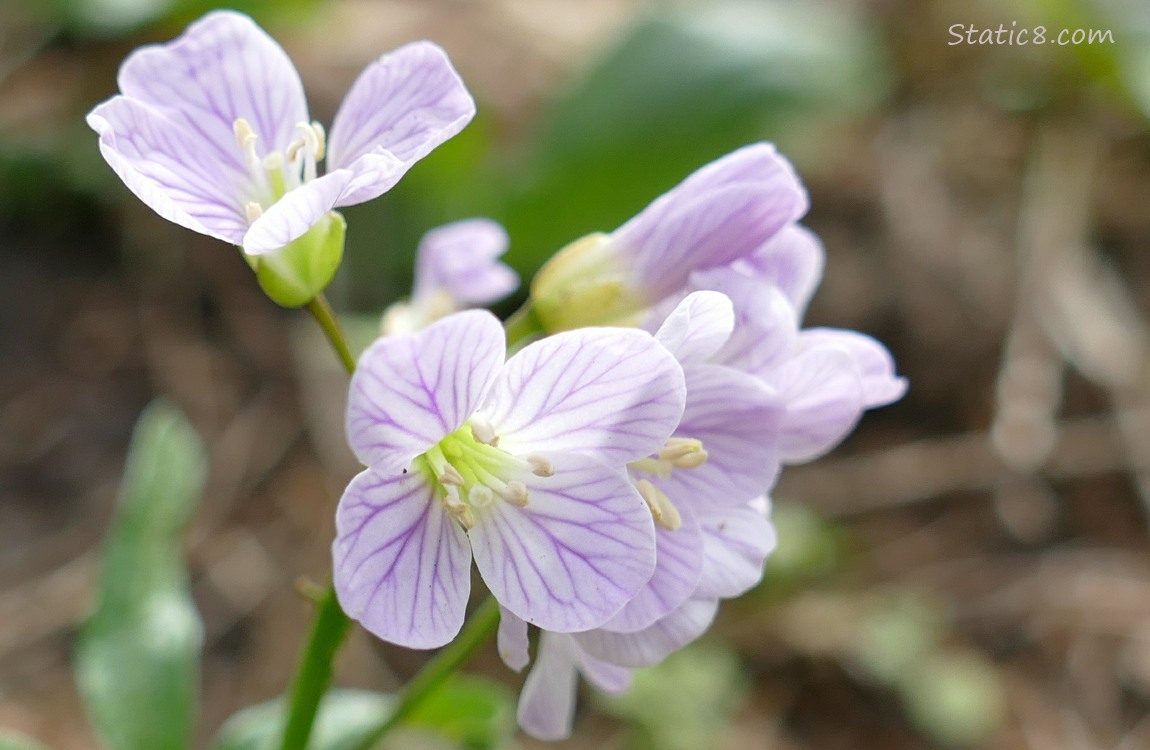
(469, 469)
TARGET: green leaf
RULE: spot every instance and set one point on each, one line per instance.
(477, 713)
(138, 653)
(10, 740)
(684, 702)
(347, 719)
(684, 87)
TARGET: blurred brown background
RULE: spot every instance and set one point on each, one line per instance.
(971, 569)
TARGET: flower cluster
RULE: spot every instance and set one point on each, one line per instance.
(611, 479)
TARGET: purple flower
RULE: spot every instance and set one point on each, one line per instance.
(724, 211)
(212, 131)
(518, 464)
(456, 266)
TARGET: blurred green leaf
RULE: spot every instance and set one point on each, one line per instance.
(684, 702)
(10, 740)
(137, 657)
(898, 633)
(115, 18)
(1120, 61)
(686, 86)
(477, 713)
(956, 697)
(346, 720)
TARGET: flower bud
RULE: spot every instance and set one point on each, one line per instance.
(298, 272)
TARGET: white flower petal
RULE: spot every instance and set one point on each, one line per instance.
(406, 103)
(411, 391)
(736, 543)
(698, 327)
(575, 554)
(511, 640)
(739, 420)
(875, 364)
(547, 702)
(648, 647)
(612, 393)
(678, 565)
(823, 394)
(168, 167)
(222, 68)
(402, 565)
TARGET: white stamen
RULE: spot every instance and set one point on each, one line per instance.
(273, 161)
(541, 467)
(515, 493)
(481, 496)
(683, 453)
(253, 211)
(320, 140)
(662, 509)
(483, 431)
(450, 475)
(661, 469)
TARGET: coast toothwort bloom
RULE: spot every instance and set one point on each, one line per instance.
(212, 131)
(741, 539)
(517, 463)
(704, 488)
(456, 266)
(724, 211)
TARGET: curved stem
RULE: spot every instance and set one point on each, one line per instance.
(323, 314)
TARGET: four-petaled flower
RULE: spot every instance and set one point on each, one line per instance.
(519, 463)
(212, 131)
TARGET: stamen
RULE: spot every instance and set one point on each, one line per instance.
(243, 130)
(481, 496)
(320, 140)
(541, 467)
(662, 509)
(450, 475)
(683, 453)
(515, 493)
(661, 469)
(254, 211)
(483, 431)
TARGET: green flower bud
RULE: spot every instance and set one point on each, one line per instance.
(584, 284)
(297, 273)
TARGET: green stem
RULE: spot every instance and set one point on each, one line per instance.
(475, 633)
(523, 327)
(314, 675)
(331, 625)
(323, 314)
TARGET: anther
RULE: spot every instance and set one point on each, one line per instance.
(483, 431)
(320, 139)
(541, 467)
(683, 453)
(254, 211)
(450, 475)
(243, 130)
(663, 510)
(515, 493)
